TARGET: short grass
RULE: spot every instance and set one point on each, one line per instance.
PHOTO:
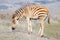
(53, 30)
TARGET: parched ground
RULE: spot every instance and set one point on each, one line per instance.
(21, 31)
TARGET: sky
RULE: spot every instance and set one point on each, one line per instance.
(14, 4)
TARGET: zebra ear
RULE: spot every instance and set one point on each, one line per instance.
(13, 16)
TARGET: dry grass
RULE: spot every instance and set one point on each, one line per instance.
(21, 31)
(51, 30)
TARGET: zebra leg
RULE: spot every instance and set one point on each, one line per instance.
(29, 26)
(41, 30)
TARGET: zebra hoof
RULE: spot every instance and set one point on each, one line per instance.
(42, 35)
(29, 32)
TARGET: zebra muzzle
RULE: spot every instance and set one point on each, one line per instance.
(13, 28)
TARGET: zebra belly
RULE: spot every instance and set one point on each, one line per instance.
(34, 18)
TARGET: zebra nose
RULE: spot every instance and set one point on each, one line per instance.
(13, 28)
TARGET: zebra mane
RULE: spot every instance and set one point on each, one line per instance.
(19, 9)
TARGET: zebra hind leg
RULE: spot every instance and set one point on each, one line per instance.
(41, 30)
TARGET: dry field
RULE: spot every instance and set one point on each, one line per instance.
(51, 32)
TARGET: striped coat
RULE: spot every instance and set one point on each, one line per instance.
(31, 12)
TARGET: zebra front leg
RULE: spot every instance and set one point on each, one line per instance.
(41, 30)
(29, 26)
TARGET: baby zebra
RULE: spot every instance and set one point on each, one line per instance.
(31, 12)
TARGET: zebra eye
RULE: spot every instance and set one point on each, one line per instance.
(17, 18)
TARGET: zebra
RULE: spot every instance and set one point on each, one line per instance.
(31, 12)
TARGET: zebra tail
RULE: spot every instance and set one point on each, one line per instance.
(48, 18)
